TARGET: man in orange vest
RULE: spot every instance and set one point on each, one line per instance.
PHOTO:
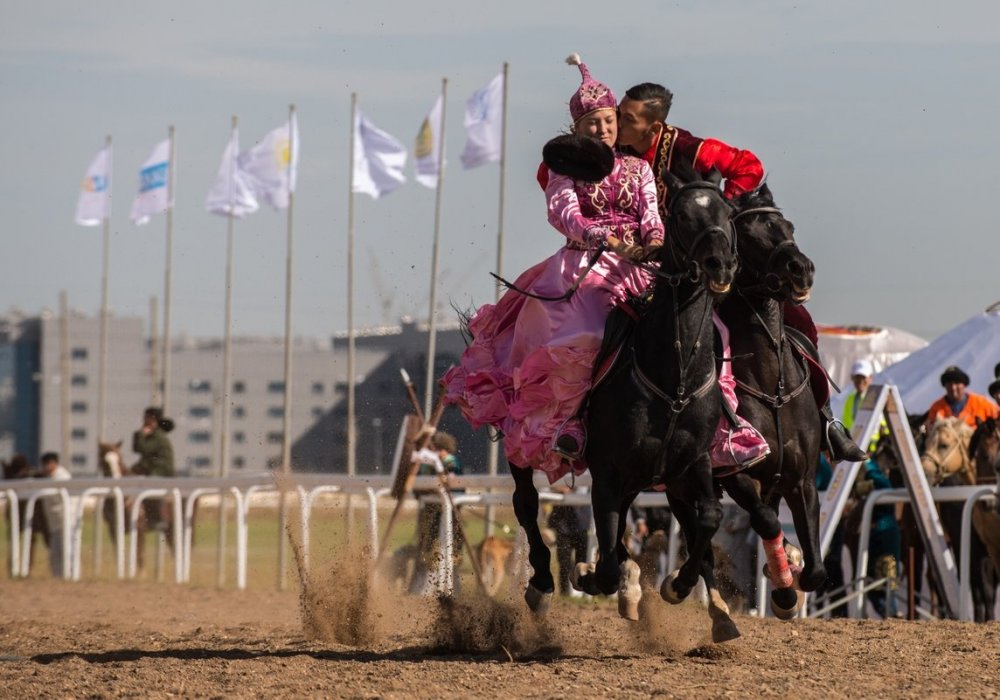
(957, 401)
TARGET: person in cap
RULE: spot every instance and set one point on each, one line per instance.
(156, 458)
(958, 401)
(861, 376)
(529, 366)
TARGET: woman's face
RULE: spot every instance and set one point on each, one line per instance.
(601, 125)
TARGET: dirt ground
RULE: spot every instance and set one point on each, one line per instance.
(95, 639)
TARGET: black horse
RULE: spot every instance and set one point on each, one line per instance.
(772, 379)
(651, 421)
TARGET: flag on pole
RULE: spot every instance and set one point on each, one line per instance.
(94, 203)
(428, 146)
(379, 159)
(231, 191)
(270, 166)
(483, 125)
(153, 185)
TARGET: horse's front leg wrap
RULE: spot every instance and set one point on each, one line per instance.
(777, 562)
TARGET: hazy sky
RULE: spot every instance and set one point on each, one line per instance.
(878, 122)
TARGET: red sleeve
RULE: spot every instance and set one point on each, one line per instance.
(542, 175)
(742, 169)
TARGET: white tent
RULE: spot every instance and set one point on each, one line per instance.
(974, 346)
(840, 346)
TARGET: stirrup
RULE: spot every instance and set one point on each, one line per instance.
(567, 447)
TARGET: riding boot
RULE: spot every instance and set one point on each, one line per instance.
(837, 440)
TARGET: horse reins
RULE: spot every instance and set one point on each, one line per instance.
(940, 463)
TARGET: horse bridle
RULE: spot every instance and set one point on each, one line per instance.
(770, 282)
(686, 250)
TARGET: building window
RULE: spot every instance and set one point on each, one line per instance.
(275, 387)
(276, 411)
(78, 407)
(239, 387)
(199, 386)
(78, 433)
(78, 380)
(317, 387)
(318, 412)
(239, 462)
(200, 462)
(79, 460)
(239, 437)
(239, 412)
(200, 437)
(275, 438)
(78, 353)
(200, 411)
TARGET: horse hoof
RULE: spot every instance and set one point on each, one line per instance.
(787, 613)
(581, 571)
(667, 591)
(629, 590)
(724, 630)
(538, 601)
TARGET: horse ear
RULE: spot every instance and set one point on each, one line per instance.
(672, 182)
(714, 176)
(764, 192)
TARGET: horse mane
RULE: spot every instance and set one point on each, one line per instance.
(464, 319)
(760, 197)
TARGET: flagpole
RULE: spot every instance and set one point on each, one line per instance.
(64, 372)
(493, 455)
(155, 386)
(286, 435)
(167, 274)
(226, 378)
(435, 257)
(102, 381)
(351, 432)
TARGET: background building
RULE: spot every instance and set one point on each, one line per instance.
(34, 417)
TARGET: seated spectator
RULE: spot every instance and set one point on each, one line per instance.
(958, 401)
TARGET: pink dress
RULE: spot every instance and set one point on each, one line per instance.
(529, 365)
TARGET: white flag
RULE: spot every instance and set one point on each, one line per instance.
(428, 146)
(153, 185)
(379, 159)
(231, 192)
(270, 166)
(94, 204)
(483, 125)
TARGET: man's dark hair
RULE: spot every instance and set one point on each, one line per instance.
(49, 457)
(655, 98)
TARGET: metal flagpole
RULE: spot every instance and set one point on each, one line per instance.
(493, 456)
(226, 380)
(351, 427)
(435, 257)
(102, 380)
(286, 435)
(64, 378)
(155, 378)
(167, 287)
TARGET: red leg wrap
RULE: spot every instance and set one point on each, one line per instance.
(777, 562)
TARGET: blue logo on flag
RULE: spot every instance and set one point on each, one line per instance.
(153, 177)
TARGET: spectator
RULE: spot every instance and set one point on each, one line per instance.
(861, 376)
(429, 516)
(958, 401)
(156, 458)
(52, 508)
(570, 525)
(884, 545)
(994, 389)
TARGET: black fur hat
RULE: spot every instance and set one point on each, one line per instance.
(579, 157)
(954, 374)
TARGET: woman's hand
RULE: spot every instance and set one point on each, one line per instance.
(635, 253)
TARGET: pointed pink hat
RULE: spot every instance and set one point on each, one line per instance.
(591, 95)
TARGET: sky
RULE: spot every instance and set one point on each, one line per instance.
(876, 121)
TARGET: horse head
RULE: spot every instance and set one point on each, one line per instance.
(984, 450)
(109, 458)
(770, 259)
(699, 237)
(946, 451)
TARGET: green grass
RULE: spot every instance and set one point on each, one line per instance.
(328, 535)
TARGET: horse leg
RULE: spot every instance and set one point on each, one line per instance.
(785, 602)
(541, 586)
(723, 627)
(699, 512)
(603, 577)
(629, 588)
(803, 501)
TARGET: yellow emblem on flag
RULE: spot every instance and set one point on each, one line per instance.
(425, 140)
(283, 152)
